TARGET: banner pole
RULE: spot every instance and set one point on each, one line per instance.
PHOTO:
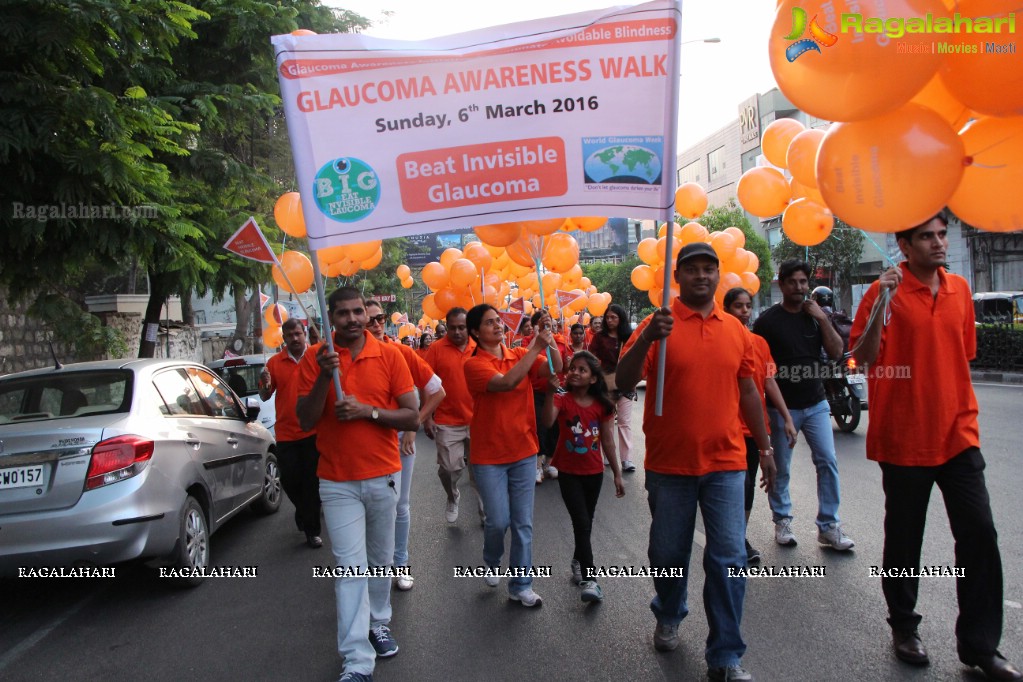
(324, 315)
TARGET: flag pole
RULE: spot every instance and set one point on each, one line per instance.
(324, 315)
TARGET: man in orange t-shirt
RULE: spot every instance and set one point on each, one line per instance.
(296, 449)
(923, 431)
(696, 454)
(360, 468)
(449, 425)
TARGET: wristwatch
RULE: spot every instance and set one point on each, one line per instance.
(769, 452)
(375, 414)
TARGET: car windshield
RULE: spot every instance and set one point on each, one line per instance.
(243, 379)
(62, 395)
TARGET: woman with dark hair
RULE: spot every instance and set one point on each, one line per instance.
(739, 303)
(607, 346)
(504, 443)
(585, 413)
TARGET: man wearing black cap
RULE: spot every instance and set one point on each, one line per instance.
(696, 455)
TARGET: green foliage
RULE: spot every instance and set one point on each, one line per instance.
(79, 331)
(840, 254)
(616, 279)
(718, 218)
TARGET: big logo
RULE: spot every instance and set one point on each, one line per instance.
(817, 36)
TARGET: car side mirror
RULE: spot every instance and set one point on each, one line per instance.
(251, 409)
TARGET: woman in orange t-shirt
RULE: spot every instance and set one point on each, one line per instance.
(504, 443)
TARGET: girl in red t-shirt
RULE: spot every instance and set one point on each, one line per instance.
(585, 417)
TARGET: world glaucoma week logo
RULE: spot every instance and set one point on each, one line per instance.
(818, 36)
(346, 189)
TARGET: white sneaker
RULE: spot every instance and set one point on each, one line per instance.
(404, 582)
(492, 580)
(451, 511)
(627, 465)
(835, 538)
(577, 572)
(591, 591)
(783, 534)
(528, 597)
(551, 472)
(539, 475)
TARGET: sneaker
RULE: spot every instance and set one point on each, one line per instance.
(381, 639)
(314, 541)
(550, 472)
(627, 465)
(835, 539)
(528, 597)
(355, 677)
(591, 591)
(728, 673)
(451, 511)
(404, 582)
(492, 580)
(752, 554)
(783, 534)
(539, 475)
(666, 637)
(577, 572)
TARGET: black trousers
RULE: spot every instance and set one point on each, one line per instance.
(907, 493)
(580, 493)
(298, 460)
(752, 466)
(548, 438)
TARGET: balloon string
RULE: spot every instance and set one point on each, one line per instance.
(988, 148)
(550, 363)
(879, 249)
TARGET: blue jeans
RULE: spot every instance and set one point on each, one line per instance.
(815, 424)
(360, 522)
(403, 514)
(673, 501)
(507, 493)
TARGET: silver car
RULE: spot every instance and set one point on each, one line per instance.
(242, 374)
(105, 462)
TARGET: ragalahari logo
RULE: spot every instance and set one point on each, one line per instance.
(817, 36)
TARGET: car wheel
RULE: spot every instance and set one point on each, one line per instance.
(193, 552)
(270, 500)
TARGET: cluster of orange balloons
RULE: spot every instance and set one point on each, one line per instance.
(275, 315)
(899, 152)
(738, 266)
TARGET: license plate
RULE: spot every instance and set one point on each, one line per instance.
(21, 477)
(855, 378)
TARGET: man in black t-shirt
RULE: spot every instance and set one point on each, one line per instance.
(796, 330)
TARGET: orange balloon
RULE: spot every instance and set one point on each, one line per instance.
(729, 280)
(435, 276)
(462, 273)
(690, 200)
(935, 95)
(807, 223)
(373, 260)
(776, 138)
(676, 230)
(362, 251)
(479, 256)
(989, 196)
(395, 316)
(431, 308)
(449, 256)
(446, 299)
(723, 245)
(692, 232)
(403, 271)
(275, 315)
(347, 267)
(299, 270)
(542, 227)
(407, 283)
(801, 156)
(561, 253)
(521, 254)
(990, 84)
(334, 269)
(550, 282)
(763, 191)
(854, 76)
(597, 304)
(303, 32)
(288, 214)
(656, 296)
(738, 235)
(753, 263)
(750, 282)
(589, 223)
(892, 172)
(642, 277)
(801, 191)
(273, 337)
(498, 235)
(662, 246)
(647, 251)
(331, 254)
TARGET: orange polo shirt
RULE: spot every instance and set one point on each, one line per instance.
(358, 449)
(421, 372)
(447, 361)
(763, 367)
(698, 433)
(923, 411)
(503, 422)
(284, 373)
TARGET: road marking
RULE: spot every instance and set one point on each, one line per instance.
(698, 538)
(42, 632)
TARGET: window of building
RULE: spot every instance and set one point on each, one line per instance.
(716, 162)
(691, 172)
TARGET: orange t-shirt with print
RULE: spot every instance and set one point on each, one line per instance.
(447, 361)
(284, 373)
(763, 367)
(359, 449)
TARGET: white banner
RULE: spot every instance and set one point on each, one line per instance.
(567, 116)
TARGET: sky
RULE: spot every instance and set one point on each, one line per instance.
(716, 77)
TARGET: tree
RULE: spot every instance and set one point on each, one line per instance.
(838, 256)
(616, 279)
(718, 218)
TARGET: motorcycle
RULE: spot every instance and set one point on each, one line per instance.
(846, 391)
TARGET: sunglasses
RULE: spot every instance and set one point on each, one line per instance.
(379, 319)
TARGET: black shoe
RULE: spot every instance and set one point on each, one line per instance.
(908, 647)
(752, 554)
(314, 541)
(994, 666)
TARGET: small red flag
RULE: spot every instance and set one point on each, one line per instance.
(249, 242)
